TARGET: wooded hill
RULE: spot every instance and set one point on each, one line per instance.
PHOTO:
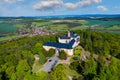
(17, 58)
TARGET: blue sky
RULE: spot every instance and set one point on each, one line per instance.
(58, 7)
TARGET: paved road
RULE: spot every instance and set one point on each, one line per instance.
(50, 63)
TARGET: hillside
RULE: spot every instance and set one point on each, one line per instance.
(17, 58)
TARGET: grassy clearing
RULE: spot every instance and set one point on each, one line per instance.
(80, 27)
(60, 27)
(38, 24)
(38, 19)
(36, 66)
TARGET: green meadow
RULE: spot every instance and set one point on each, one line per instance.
(7, 28)
(39, 24)
(103, 23)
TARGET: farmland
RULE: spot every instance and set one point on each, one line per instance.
(12, 26)
(7, 28)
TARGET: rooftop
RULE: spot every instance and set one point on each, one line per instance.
(66, 36)
(61, 45)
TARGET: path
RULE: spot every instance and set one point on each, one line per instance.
(50, 63)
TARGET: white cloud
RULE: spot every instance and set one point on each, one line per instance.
(53, 4)
(11, 1)
(47, 5)
(97, 1)
(83, 3)
(70, 5)
(102, 8)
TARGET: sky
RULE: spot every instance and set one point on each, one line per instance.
(58, 7)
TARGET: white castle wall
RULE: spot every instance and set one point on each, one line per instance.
(64, 40)
(47, 48)
(68, 51)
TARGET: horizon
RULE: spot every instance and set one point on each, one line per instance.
(69, 15)
(16, 8)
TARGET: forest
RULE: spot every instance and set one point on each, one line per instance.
(17, 58)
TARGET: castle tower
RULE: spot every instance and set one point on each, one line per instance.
(69, 34)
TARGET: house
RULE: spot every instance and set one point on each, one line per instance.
(67, 43)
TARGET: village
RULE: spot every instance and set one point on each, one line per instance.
(34, 31)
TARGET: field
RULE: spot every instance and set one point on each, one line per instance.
(103, 23)
(39, 24)
(108, 25)
(11, 26)
(7, 28)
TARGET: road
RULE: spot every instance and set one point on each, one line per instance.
(51, 62)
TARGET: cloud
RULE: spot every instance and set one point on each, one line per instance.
(102, 8)
(97, 1)
(47, 5)
(53, 4)
(11, 1)
(70, 5)
(81, 4)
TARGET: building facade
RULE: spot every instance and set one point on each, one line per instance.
(67, 43)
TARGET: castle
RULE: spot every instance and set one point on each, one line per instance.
(67, 43)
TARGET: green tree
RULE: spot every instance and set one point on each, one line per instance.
(90, 68)
(74, 65)
(29, 76)
(21, 69)
(28, 56)
(62, 54)
(43, 75)
(45, 52)
(13, 77)
(51, 52)
(106, 48)
(38, 50)
(10, 70)
(58, 73)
